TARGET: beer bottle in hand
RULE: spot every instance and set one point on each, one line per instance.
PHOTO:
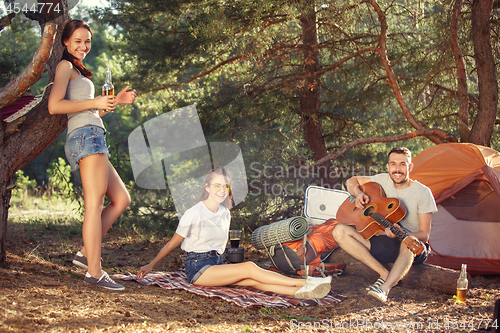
(108, 88)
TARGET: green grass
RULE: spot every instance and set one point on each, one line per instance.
(29, 207)
(32, 210)
(49, 227)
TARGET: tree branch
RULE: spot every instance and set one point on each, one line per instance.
(470, 97)
(32, 73)
(292, 78)
(445, 136)
(349, 57)
(382, 50)
(199, 76)
(6, 20)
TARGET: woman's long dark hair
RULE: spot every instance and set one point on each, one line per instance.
(208, 180)
(69, 28)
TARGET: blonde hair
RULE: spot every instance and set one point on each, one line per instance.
(208, 180)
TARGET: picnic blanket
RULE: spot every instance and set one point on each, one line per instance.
(241, 296)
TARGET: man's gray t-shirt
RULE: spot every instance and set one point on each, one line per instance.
(416, 198)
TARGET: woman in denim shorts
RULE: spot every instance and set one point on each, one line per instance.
(203, 234)
(73, 94)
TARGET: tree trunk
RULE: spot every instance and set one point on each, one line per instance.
(486, 72)
(463, 94)
(23, 139)
(5, 195)
(419, 276)
(310, 93)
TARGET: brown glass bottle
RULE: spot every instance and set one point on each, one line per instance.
(462, 284)
(108, 88)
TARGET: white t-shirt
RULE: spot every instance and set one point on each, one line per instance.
(416, 198)
(203, 230)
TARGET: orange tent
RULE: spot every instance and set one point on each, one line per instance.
(465, 181)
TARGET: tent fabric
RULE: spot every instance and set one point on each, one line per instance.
(465, 181)
(474, 236)
(449, 167)
(467, 203)
(475, 266)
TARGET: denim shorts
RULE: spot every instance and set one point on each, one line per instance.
(85, 141)
(386, 250)
(197, 262)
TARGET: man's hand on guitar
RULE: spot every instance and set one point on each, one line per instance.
(361, 200)
(381, 214)
(389, 233)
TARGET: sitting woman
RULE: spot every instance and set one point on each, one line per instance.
(203, 233)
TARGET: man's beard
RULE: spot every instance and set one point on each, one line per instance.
(403, 180)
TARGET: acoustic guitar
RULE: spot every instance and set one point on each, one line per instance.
(380, 213)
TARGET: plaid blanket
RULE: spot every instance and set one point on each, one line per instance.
(241, 296)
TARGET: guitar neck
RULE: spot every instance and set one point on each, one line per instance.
(400, 233)
(413, 245)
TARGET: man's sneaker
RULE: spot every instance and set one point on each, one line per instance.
(104, 281)
(313, 289)
(80, 260)
(376, 284)
(378, 294)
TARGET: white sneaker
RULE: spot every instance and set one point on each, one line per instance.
(318, 280)
(378, 294)
(313, 289)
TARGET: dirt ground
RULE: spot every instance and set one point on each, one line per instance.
(41, 291)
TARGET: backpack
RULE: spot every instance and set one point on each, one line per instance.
(313, 250)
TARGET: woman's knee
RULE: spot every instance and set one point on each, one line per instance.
(121, 201)
(249, 266)
(125, 202)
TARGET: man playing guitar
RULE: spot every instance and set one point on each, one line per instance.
(387, 248)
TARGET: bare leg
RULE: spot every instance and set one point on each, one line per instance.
(94, 171)
(401, 266)
(275, 288)
(250, 275)
(351, 241)
(119, 197)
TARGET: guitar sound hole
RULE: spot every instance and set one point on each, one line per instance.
(390, 205)
(369, 211)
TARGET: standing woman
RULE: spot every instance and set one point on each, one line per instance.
(73, 94)
(203, 233)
